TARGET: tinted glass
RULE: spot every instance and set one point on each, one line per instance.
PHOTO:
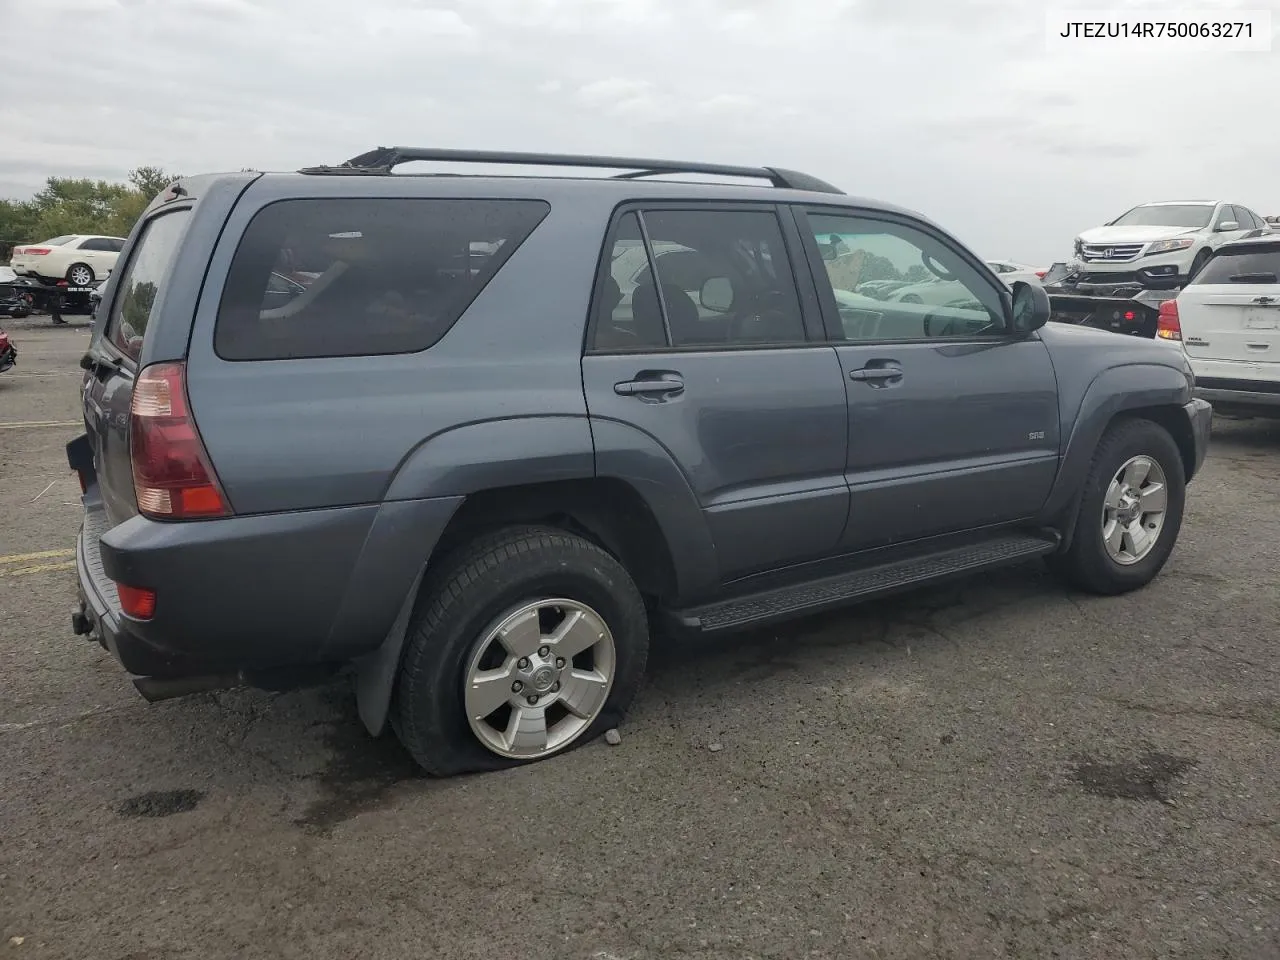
(893, 282)
(143, 280)
(93, 243)
(1168, 215)
(55, 242)
(1257, 265)
(371, 276)
(617, 326)
(724, 276)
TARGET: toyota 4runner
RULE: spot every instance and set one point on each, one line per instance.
(476, 436)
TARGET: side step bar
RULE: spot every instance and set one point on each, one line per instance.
(802, 599)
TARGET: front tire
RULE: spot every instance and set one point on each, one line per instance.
(1198, 263)
(527, 643)
(79, 275)
(1130, 510)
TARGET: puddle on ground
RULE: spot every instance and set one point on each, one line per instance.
(1146, 778)
(361, 770)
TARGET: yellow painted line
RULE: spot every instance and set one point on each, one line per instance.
(42, 555)
(33, 424)
(38, 568)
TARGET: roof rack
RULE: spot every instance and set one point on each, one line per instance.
(383, 160)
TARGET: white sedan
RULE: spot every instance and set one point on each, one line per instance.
(1011, 271)
(80, 259)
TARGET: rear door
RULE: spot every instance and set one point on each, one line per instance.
(1231, 310)
(114, 354)
(722, 366)
(953, 421)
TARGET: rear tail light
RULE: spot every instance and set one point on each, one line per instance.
(1040, 273)
(34, 251)
(172, 476)
(1168, 327)
(137, 602)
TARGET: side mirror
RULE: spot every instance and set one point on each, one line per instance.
(716, 295)
(1030, 307)
(1226, 226)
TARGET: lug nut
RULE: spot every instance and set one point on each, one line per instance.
(517, 687)
(533, 699)
(559, 663)
(543, 651)
(523, 663)
(555, 687)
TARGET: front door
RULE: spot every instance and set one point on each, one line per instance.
(719, 364)
(953, 422)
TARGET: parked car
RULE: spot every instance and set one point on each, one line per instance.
(79, 259)
(1161, 245)
(1011, 272)
(480, 488)
(1227, 323)
(14, 301)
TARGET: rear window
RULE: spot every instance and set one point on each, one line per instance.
(1252, 266)
(55, 242)
(141, 282)
(348, 277)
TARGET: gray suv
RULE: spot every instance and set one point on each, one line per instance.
(477, 436)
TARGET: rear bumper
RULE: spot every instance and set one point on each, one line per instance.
(1200, 414)
(252, 594)
(1238, 398)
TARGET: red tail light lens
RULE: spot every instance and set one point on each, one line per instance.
(1041, 273)
(1168, 327)
(137, 602)
(35, 251)
(172, 476)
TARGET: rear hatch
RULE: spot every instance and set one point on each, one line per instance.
(111, 363)
(1231, 310)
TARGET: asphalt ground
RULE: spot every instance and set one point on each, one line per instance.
(998, 768)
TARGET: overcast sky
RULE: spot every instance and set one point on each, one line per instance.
(950, 107)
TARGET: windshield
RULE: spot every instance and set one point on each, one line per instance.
(1191, 215)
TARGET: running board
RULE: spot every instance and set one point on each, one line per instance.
(814, 596)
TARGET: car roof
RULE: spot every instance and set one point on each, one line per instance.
(1182, 203)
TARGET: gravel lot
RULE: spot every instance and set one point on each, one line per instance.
(994, 769)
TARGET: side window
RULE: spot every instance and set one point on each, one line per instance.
(143, 280)
(724, 276)
(1245, 217)
(723, 280)
(93, 243)
(114, 246)
(617, 324)
(1225, 213)
(895, 282)
(352, 277)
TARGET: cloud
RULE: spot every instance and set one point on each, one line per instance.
(951, 108)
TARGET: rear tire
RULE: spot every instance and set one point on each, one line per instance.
(485, 587)
(1115, 510)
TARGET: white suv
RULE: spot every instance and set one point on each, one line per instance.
(1162, 245)
(80, 259)
(1227, 322)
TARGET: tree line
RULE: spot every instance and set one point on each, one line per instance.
(80, 205)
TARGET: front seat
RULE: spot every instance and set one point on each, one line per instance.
(682, 313)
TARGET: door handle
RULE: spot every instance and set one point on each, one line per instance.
(658, 386)
(876, 373)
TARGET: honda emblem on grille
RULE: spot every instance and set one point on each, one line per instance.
(1111, 252)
